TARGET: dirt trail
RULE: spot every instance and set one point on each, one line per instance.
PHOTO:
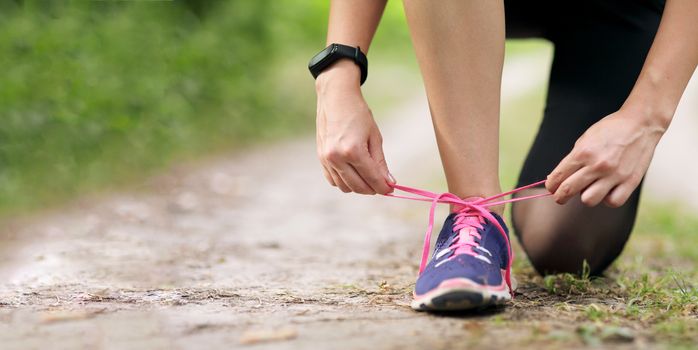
(243, 249)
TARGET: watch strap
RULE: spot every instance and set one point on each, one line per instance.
(335, 52)
(358, 57)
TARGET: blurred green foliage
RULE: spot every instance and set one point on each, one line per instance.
(105, 92)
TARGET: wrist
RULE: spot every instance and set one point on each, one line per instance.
(649, 101)
(648, 113)
(643, 118)
(343, 74)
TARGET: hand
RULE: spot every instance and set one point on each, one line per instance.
(349, 143)
(608, 161)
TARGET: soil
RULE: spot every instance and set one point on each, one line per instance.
(253, 250)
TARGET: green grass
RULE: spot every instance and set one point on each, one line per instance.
(651, 292)
(102, 94)
(99, 94)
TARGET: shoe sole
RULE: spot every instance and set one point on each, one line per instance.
(461, 294)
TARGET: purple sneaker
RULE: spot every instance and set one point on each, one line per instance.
(470, 264)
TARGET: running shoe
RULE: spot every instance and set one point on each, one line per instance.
(470, 264)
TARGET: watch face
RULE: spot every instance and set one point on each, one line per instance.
(321, 55)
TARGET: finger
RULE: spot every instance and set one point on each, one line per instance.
(327, 175)
(567, 167)
(370, 174)
(353, 180)
(373, 171)
(326, 169)
(375, 149)
(620, 194)
(596, 192)
(338, 180)
(574, 184)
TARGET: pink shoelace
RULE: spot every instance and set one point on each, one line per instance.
(470, 214)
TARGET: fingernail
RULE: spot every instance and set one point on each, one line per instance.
(392, 179)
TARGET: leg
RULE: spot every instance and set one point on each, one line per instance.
(560, 238)
(598, 55)
(460, 49)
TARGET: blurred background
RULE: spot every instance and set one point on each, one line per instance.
(99, 94)
(213, 100)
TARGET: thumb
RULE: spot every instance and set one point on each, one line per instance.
(375, 149)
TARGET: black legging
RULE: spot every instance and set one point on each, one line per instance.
(600, 47)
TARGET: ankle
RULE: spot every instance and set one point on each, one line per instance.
(478, 192)
(477, 189)
(498, 209)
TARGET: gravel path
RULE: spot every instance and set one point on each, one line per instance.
(253, 249)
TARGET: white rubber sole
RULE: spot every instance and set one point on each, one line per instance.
(461, 294)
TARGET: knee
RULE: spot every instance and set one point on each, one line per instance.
(560, 238)
(549, 259)
(560, 249)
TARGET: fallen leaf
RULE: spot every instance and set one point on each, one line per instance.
(68, 315)
(267, 335)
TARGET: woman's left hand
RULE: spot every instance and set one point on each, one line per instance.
(608, 161)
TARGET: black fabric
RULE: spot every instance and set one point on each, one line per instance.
(599, 49)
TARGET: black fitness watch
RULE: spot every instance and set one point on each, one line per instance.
(335, 52)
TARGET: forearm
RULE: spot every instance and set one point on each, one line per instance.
(669, 65)
(353, 23)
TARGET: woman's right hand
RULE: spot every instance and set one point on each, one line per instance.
(349, 143)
